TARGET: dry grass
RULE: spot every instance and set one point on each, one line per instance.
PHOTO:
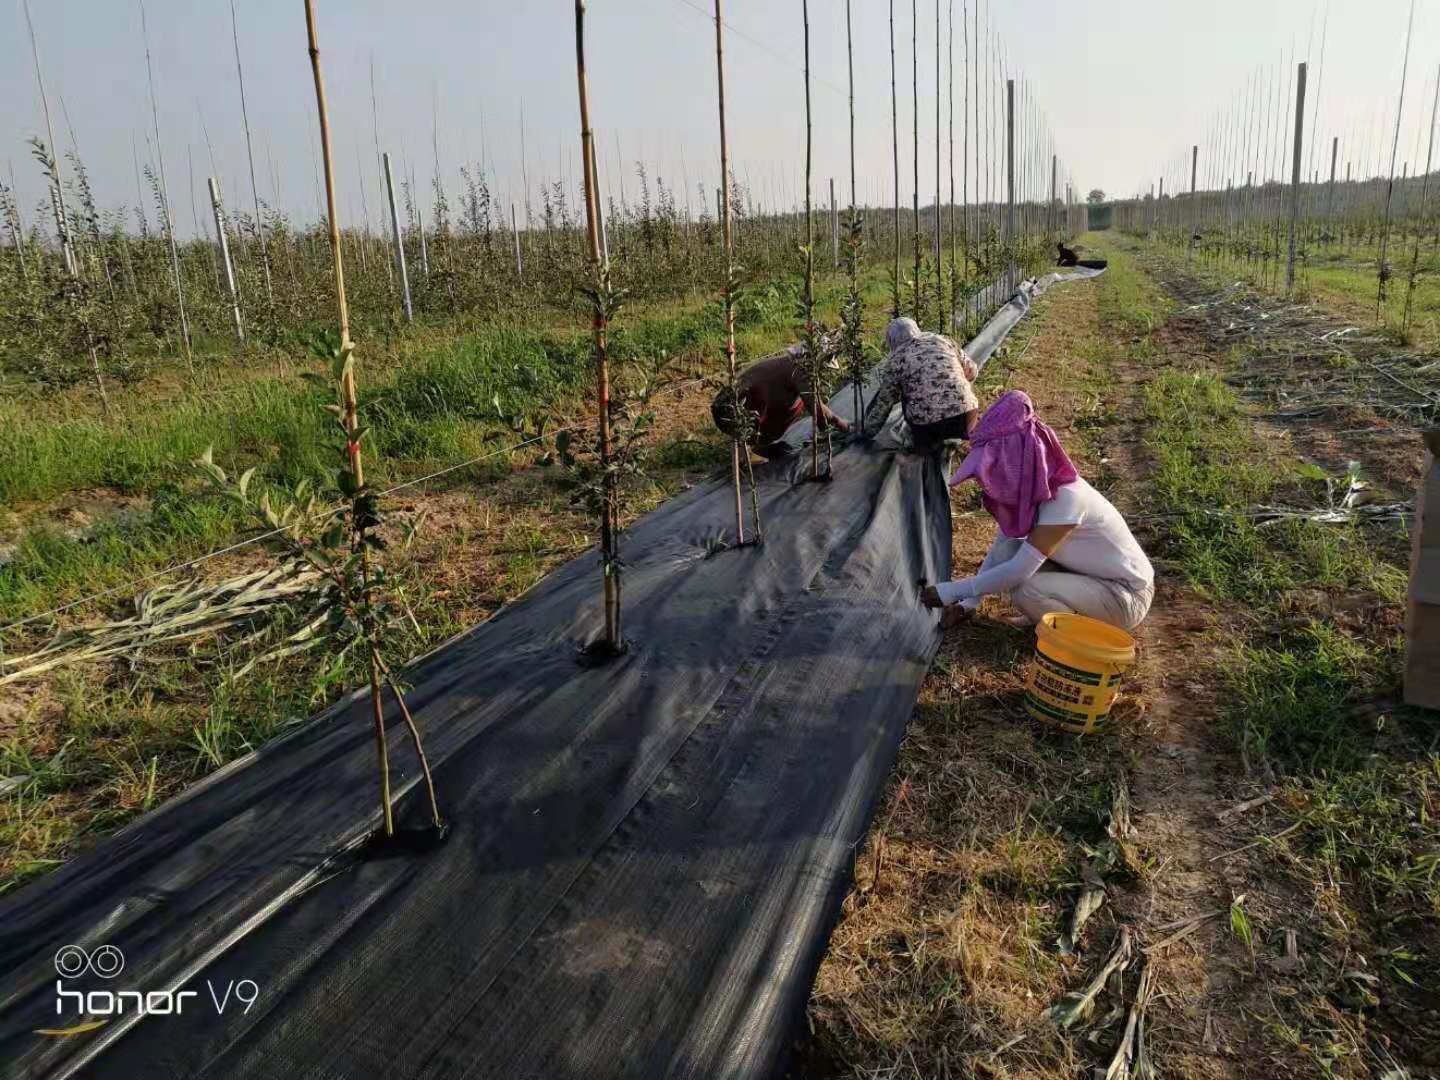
(946, 964)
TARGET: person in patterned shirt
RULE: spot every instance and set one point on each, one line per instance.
(930, 376)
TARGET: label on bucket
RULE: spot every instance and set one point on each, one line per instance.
(1067, 696)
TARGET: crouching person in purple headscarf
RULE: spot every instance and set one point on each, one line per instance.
(1062, 546)
(930, 376)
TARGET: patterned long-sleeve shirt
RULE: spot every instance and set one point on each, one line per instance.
(930, 376)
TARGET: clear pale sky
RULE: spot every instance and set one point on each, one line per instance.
(1126, 87)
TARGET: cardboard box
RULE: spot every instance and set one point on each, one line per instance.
(1422, 620)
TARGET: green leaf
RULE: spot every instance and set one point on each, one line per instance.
(347, 482)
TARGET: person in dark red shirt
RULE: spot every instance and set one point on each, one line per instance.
(776, 392)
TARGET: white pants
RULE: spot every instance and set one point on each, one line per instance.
(1060, 590)
(1107, 601)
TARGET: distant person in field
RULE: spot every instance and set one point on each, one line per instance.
(776, 393)
(931, 378)
(1062, 546)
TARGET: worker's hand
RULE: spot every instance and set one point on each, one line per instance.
(840, 425)
(930, 598)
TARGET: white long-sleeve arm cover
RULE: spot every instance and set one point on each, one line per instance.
(1001, 578)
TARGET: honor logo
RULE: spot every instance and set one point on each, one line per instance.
(97, 1007)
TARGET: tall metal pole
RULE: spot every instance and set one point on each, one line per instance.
(399, 245)
(225, 258)
(1295, 175)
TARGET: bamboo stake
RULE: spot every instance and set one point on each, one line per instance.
(600, 325)
(1009, 182)
(834, 228)
(954, 238)
(850, 65)
(16, 227)
(939, 243)
(514, 232)
(165, 196)
(809, 298)
(1390, 186)
(379, 674)
(225, 258)
(857, 390)
(737, 448)
(195, 216)
(895, 158)
(915, 145)
(1424, 207)
(398, 239)
(66, 250)
(379, 163)
(250, 157)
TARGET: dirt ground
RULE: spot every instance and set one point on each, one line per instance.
(949, 953)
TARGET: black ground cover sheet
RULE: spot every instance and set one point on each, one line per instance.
(646, 856)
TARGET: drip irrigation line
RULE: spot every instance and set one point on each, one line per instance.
(238, 545)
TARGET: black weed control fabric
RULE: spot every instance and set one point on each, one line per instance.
(646, 856)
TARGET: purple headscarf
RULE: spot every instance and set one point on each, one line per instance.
(1017, 460)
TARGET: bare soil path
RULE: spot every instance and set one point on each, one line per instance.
(946, 960)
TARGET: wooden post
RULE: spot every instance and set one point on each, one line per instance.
(1295, 175)
(399, 240)
(216, 206)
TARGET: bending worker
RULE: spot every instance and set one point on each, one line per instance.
(776, 393)
(930, 376)
(1062, 546)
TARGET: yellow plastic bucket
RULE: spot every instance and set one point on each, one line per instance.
(1076, 671)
